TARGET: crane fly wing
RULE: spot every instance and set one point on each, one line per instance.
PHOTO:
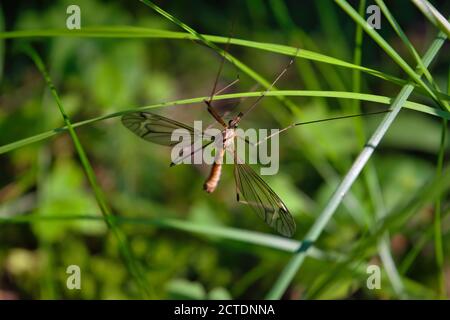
(159, 129)
(156, 128)
(254, 191)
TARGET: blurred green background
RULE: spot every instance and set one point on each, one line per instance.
(100, 76)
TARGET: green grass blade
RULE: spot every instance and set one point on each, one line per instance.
(411, 48)
(123, 245)
(313, 234)
(80, 150)
(245, 236)
(139, 32)
(404, 39)
(433, 16)
(392, 272)
(388, 49)
(294, 93)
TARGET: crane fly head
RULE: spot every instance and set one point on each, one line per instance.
(234, 123)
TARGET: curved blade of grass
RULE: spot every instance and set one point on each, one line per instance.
(120, 237)
(140, 32)
(410, 47)
(313, 234)
(433, 15)
(398, 30)
(294, 93)
(389, 50)
(246, 236)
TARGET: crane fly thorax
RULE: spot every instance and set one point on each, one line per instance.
(227, 135)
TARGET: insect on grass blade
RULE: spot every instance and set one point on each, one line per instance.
(251, 189)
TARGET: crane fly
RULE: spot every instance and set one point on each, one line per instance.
(251, 189)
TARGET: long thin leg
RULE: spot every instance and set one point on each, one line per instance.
(227, 86)
(208, 102)
(270, 87)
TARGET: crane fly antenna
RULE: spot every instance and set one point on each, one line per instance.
(241, 115)
(316, 121)
(216, 80)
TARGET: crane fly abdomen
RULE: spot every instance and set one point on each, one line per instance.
(214, 176)
(213, 180)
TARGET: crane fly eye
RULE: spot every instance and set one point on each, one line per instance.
(232, 123)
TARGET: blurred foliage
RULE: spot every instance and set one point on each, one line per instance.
(99, 76)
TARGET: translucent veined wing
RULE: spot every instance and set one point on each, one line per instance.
(159, 129)
(254, 191)
(156, 128)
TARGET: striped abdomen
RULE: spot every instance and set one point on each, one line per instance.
(216, 170)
